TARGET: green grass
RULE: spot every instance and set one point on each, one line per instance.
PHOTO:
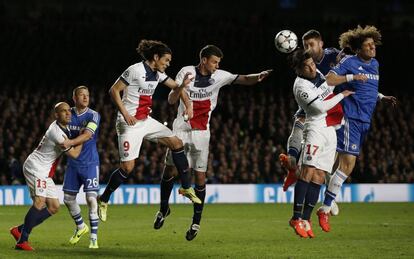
(366, 230)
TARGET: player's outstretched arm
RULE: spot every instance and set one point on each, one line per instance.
(323, 106)
(333, 79)
(388, 99)
(252, 79)
(115, 93)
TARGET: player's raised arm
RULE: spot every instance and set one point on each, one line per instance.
(115, 93)
(177, 86)
(252, 79)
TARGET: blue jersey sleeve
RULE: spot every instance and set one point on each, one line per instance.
(93, 122)
(343, 67)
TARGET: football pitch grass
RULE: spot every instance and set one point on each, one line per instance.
(362, 230)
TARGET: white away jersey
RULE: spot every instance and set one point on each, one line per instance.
(141, 82)
(307, 92)
(45, 158)
(203, 92)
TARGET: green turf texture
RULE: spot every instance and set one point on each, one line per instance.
(362, 230)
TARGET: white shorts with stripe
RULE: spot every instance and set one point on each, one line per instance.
(196, 147)
(39, 185)
(319, 147)
(130, 137)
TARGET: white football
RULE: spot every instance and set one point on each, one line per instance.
(286, 41)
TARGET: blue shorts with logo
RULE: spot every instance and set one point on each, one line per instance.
(351, 136)
(86, 175)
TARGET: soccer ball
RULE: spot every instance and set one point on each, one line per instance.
(286, 41)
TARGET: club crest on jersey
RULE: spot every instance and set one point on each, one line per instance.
(304, 95)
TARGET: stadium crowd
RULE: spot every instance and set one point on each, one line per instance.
(250, 126)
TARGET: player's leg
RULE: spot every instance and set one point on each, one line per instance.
(74, 209)
(91, 200)
(200, 191)
(129, 144)
(300, 191)
(311, 198)
(294, 146)
(71, 185)
(181, 163)
(45, 204)
(166, 185)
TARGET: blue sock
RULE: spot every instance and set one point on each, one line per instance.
(33, 218)
(116, 179)
(301, 188)
(78, 219)
(311, 199)
(181, 163)
(329, 197)
(200, 191)
(166, 187)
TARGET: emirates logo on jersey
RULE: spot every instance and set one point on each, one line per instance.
(200, 94)
(145, 91)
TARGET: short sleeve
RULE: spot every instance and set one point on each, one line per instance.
(127, 75)
(162, 77)
(180, 77)
(343, 67)
(227, 77)
(93, 123)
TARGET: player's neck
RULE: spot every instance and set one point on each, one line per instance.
(80, 110)
(203, 70)
(364, 59)
(61, 124)
(150, 64)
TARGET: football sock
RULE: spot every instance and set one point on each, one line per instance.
(301, 188)
(334, 187)
(33, 218)
(91, 198)
(311, 199)
(74, 209)
(200, 191)
(181, 163)
(294, 145)
(166, 187)
(116, 179)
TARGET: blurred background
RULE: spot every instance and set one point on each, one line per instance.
(48, 47)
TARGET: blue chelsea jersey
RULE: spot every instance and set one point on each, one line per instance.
(328, 60)
(360, 105)
(88, 120)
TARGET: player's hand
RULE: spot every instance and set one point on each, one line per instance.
(66, 144)
(389, 99)
(188, 77)
(361, 78)
(130, 120)
(264, 74)
(347, 93)
(188, 114)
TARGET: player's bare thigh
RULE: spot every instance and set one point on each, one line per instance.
(173, 142)
(311, 173)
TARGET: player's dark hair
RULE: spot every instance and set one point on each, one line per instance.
(353, 39)
(211, 50)
(75, 91)
(312, 34)
(297, 59)
(148, 48)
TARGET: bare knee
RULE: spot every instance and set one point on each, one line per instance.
(127, 166)
(175, 143)
(53, 207)
(347, 163)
